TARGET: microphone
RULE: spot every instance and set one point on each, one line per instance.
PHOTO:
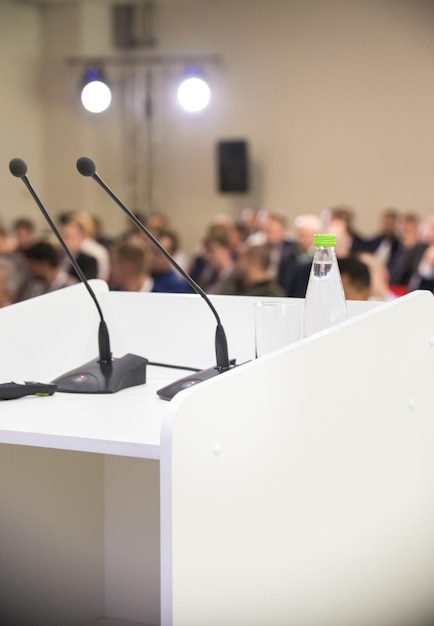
(87, 167)
(106, 374)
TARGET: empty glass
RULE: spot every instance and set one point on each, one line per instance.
(277, 324)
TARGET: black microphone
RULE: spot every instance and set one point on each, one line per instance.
(106, 374)
(87, 167)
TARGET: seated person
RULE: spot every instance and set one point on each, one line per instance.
(99, 233)
(9, 280)
(218, 262)
(386, 243)
(423, 277)
(274, 230)
(130, 267)
(252, 276)
(410, 252)
(24, 231)
(75, 236)
(156, 221)
(166, 278)
(356, 279)
(338, 226)
(294, 267)
(380, 286)
(6, 241)
(44, 271)
(131, 233)
(346, 213)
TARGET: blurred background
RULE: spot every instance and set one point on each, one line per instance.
(332, 100)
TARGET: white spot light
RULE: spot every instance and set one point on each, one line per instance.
(95, 95)
(194, 94)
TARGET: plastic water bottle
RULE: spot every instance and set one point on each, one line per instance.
(325, 303)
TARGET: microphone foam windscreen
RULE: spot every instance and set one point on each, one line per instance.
(18, 168)
(86, 166)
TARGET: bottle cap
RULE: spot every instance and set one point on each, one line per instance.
(324, 240)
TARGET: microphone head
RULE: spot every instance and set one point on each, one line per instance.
(18, 168)
(86, 166)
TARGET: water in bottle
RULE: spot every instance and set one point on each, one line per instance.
(325, 303)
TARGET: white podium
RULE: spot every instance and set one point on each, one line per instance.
(295, 489)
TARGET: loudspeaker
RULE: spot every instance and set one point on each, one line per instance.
(232, 158)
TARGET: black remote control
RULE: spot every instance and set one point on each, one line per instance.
(10, 391)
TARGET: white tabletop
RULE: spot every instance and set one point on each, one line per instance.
(127, 423)
(52, 334)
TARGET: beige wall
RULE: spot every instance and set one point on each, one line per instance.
(21, 105)
(335, 97)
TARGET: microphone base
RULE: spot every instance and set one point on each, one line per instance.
(96, 377)
(168, 392)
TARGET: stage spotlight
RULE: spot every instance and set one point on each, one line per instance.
(95, 94)
(193, 93)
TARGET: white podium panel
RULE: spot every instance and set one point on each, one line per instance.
(302, 484)
(294, 489)
(48, 335)
(180, 328)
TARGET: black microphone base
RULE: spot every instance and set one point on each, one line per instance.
(168, 392)
(96, 377)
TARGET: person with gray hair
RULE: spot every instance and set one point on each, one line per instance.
(292, 272)
(305, 227)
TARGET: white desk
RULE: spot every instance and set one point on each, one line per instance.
(259, 491)
(127, 423)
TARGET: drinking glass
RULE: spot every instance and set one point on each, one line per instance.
(277, 324)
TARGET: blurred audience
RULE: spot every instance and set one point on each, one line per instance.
(99, 232)
(253, 220)
(222, 226)
(178, 254)
(218, 260)
(279, 245)
(252, 275)
(346, 214)
(356, 279)
(131, 232)
(84, 227)
(166, 279)
(44, 273)
(423, 277)
(74, 235)
(6, 241)
(336, 221)
(23, 235)
(10, 280)
(294, 268)
(255, 255)
(410, 251)
(131, 267)
(344, 242)
(157, 221)
(379, 275)
(238, 234)
(24, 232)
(386, 243)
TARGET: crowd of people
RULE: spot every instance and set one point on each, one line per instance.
(261, 254)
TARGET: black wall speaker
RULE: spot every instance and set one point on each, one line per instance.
(233, 166)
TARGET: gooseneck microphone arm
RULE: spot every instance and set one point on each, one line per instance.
(18, 168)
(87, 167)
